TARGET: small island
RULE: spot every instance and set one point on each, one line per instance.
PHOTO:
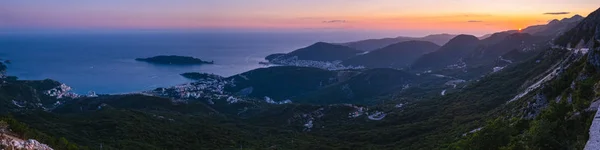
(174, 60)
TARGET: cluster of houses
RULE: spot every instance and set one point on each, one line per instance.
(294, 61)
(459, 65)
(210, 88)
(358, 111)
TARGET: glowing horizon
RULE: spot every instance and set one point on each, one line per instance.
(457, 16)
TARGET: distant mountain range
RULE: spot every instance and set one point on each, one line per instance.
(515, 41)
(469, 58)
(553, 28)
(468, 54)
(456, 51)
(373, 44)
(586, 33)
(399, 55)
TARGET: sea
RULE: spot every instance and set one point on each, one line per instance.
(104, 62)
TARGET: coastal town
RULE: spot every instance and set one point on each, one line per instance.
(294, 61)
(210, 88)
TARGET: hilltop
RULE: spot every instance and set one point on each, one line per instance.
(399, 55)
(373, 44)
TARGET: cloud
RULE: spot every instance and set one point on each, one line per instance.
(311, 18)
(474, 21)
(335, 21)
(557, 13)
(476, 15)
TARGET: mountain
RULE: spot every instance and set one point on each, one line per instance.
(585, 32)
(515, 41)
(305, 85)
(554, 27)
(495, 53)
(281, 82)
(397, 55)
(448, 54)
(373, 44)
(319, 51)
(362, 87)
(574, 19)
(549, 100)
(496, 37)
(492, 53)
(510, 42)
(439, 39)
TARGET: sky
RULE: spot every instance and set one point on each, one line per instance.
(410, 16)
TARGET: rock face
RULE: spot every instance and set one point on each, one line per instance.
(594, 58)
(594, 141)
(11, 142)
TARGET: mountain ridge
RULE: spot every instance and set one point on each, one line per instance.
(397, 55)
(449, 53)
(373, 44)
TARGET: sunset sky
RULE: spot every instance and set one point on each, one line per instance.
(429, 16)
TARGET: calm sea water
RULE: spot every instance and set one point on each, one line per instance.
(104, 62)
